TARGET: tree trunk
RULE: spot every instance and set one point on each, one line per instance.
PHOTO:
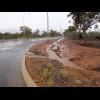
(80, 35)
(85, 41)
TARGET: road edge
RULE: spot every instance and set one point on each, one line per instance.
(27, 78)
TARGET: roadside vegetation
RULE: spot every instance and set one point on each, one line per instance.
(83, 21)
(79, 36)
(27, 32)
(92, 38)
(78, 47)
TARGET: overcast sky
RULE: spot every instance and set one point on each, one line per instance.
(11, 21)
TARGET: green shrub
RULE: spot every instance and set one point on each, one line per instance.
(93, 36)
(89, 36)
(49, 65)
(72, 35)
(64, 74)
(50, 83)
(46, 73)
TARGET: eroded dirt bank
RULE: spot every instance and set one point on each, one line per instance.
(47, 72)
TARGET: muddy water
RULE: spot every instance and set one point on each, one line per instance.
(63, 60)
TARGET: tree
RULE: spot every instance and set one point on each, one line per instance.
(26, 31)
(54, 33)
(36, 33)
(96, 27)
(65, 33)
(1, 35)
(7, 35)
(72, 28)
(15, 36)
(84, 20)
(44, 34)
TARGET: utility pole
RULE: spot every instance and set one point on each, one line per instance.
(24, 22)
(48, 26)
(60, 28)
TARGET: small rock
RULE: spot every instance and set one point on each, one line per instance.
(71, 59)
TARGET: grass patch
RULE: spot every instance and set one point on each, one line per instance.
(46, 73)
(64, 74)
(49, 65)
(50, 83)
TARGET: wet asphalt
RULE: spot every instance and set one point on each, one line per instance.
(11, 54)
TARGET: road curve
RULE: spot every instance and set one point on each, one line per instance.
(11, 54)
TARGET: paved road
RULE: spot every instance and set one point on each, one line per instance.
(11, 53)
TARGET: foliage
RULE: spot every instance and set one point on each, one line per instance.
(54, 33)
(72, 28)
(1, 36)
(49, 65)
(36, 33)
(50, 83)
(39, 69)
(46, 73)
(88, 36)
(96, 27)
(71, 35)
(7, 35)
(84, 20)
(26, 31)
(44, 34)
(93, 36)
(64, 74)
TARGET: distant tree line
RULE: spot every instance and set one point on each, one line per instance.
(26, 32)
(72, 33)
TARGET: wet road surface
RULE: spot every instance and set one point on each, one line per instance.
(11, 53)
